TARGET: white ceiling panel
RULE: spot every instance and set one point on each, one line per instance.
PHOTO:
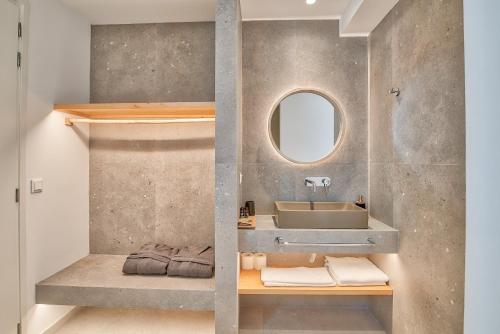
(362, 16)
(144, 11)
(358, 17)
(292, 9)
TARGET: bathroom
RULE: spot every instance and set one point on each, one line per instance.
(246, 139)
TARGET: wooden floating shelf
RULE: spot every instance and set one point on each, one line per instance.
(139, 112)
(250, 284)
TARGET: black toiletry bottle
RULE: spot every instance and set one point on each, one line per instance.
(361, 202)
(251, 207)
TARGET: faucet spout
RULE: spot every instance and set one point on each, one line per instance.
(311, 182)
(314, 182)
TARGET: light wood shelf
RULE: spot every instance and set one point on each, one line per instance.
(138, 112)
(250, 284)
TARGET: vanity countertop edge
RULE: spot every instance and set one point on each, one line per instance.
(378, 238)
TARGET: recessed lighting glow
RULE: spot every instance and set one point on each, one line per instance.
(310, 2)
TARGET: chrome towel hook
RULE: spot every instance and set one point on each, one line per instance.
(395, 91)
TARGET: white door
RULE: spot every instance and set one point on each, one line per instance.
(9, 169)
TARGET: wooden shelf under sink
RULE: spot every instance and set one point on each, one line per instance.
(250, 284)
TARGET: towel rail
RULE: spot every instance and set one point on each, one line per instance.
(280, 241)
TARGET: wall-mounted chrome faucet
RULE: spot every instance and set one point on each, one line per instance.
(317, 181)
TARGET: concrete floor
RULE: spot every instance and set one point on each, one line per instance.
(90, 320)
(260, 320)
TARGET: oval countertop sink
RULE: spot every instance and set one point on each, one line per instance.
(320, 215)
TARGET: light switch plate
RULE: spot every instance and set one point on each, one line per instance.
(36, 186)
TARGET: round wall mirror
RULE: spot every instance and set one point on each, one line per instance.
(306, 126)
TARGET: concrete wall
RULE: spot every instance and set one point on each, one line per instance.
(55, 222)
(168, 62)
(417, 161)
(227, 163)
(152, 182)
(302, 54)
(482, 293)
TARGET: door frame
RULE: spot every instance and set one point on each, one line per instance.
(23, 14)
(20, 94)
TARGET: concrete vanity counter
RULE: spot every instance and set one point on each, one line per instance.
(378, 238)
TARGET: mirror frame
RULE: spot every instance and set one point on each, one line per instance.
(337, 108)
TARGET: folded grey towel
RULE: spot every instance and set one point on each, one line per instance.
(151, 259)
(192, 262)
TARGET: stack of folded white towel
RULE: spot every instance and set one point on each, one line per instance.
(342, 271)
(355, 271)
(296, 277)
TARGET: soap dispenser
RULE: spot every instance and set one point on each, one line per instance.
(361, 202)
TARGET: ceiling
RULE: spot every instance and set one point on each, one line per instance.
(357, 17)
(292, 9)
(144, 11)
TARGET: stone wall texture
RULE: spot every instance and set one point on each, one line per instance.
(417, 161)
(227, 163)
(302, 54)
(152, 182)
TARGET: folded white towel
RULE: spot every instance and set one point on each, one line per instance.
(300, 276)
(355, 271)
(271, 284)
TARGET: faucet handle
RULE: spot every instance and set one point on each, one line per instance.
(317, 181)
